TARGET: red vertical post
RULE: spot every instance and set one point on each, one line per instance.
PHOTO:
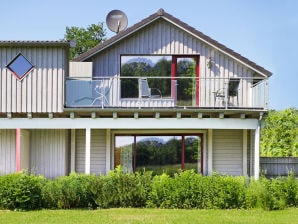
(182, 152)
(197, 81)
(173, 79)
(18, 150)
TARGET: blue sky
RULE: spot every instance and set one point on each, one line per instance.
(264, 31)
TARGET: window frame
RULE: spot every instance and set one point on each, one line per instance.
(18, 76)
(183, 135)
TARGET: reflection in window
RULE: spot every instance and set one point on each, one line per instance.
(158, 71)
(186, 82)
(152, 67)
(159, 154)
(20, 66)
(124, 153)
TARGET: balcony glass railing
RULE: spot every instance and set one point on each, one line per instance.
(139, 92)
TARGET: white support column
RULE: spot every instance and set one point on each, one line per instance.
(210, 146)
(257, 151)
(251, 157)
(244, 151)
(108, 150)
(73, 150)
(87, 149)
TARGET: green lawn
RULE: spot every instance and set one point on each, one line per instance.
(151, 216)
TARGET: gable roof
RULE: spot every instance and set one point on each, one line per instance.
(162, 14)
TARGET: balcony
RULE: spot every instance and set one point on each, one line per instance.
(167, 92)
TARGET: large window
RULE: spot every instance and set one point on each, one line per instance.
(151, 67)
(172, 75)
(159, 153)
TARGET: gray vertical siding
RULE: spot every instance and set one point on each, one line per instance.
(165, 38)
(227, 152)
(49, 152)
(43, 89)
(25, 150)
(7, 151)
(80, 143)
(98, 151)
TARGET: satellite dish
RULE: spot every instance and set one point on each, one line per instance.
(116, 21)
(73, 43)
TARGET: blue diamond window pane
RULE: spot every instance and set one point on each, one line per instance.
(20, 66)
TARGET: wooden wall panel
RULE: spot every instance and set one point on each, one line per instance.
(227, 152)
(42, 90)
(49, 152)
(164, 38)
(7, 151)
(98, 151)
(80, 150)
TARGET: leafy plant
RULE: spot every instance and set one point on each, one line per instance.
(21, 191)
(73, 191)
(85, 38)
(185, 190)
(279, 137)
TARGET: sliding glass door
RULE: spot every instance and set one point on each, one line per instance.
(159, 153)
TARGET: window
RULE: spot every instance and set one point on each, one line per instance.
(20, 66)
(175, 76)
(151, 67)
(159, 153)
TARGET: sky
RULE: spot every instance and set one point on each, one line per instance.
(265, 31)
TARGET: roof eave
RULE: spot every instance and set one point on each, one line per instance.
(34, 44)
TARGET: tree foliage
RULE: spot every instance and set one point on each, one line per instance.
(279, 137)
(86, 38)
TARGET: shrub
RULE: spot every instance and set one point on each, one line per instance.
(159, 194)
(20, 191)
(190, 190)
(272, 195)
(73, 191)
(119, 189)
(228, 192)
(186, 189)
(291, 190)
(253, 193)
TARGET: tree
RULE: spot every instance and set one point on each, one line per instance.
(86, 38)
(279, 137)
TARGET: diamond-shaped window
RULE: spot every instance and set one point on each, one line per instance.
(20, 66)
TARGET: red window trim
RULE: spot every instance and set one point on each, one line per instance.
(201, 135)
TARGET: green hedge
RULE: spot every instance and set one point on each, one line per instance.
(21, 191)
(187, 189)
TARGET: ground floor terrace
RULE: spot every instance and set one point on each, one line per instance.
(157, 141)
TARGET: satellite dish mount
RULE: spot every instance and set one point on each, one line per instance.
(116, 21)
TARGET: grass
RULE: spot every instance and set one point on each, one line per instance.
(151, 216)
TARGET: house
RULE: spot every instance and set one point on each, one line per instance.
(159, 96)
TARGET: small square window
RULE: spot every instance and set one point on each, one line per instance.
(20, 66)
